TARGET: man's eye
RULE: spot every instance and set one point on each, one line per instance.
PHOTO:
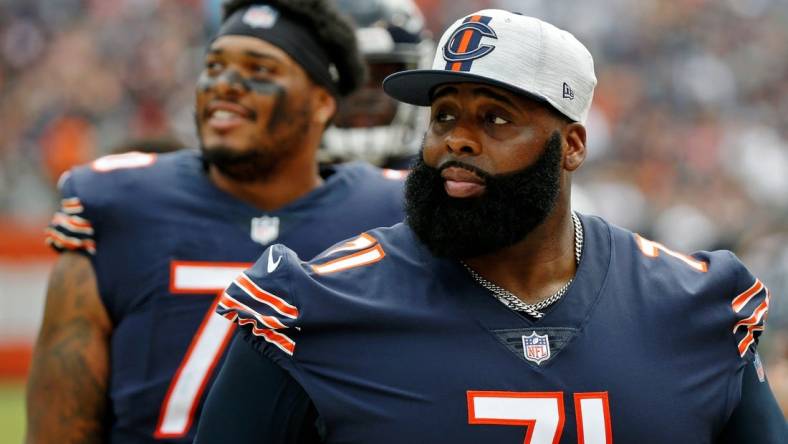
(444, 117)
(213, 66)
(497, 120)
(259, 69)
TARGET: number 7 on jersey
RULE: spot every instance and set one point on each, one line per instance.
(206, 349)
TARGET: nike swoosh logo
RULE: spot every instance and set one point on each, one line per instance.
(271, 263)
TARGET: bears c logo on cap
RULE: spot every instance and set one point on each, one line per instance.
(463, 46)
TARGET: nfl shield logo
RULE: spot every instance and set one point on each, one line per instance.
(536, 348)
(261, 16)
(265, 229)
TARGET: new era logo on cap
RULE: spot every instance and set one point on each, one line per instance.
(568, 93)
(522, 54)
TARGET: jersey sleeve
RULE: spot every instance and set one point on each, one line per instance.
(71, 228)
(757, 417)
(93, 194)
(266, 403)
(750, 305)
(260, 300)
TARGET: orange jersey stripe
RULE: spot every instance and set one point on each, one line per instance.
(230, 315)
(362, 241)
(749, 338)
(265, 297)
(755, 318)
(282, 341)
(279, 339)
(741, 300)
(269, 321)
(71, 205)
(69, 243)
(73, 220)
(72, 223)
(358, 259)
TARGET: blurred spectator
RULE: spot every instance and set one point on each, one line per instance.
(78, 77)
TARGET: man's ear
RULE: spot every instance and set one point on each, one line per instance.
(324, 105)
(575, 146)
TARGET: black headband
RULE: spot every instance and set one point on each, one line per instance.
(267, 23)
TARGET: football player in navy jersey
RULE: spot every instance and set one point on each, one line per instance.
(129, 341)
(496, 314)
(371, 125)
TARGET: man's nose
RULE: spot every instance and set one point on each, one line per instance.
(231, 81)
(463, 140)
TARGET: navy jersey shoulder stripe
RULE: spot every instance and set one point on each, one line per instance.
(751, 307)
(265, 306)
(69, 229)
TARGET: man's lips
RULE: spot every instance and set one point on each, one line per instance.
(223, 116)
(461, 183)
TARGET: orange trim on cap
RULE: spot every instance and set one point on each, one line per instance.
(466, 40)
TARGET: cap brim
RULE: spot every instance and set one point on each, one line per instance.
(416, 86)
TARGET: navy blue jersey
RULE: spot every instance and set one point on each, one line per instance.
(164, 242)
(394, 345)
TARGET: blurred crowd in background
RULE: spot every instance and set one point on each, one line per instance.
(688, 136)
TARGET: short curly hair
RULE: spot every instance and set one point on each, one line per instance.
(333, 31)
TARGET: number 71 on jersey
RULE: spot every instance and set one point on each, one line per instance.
(543, 414)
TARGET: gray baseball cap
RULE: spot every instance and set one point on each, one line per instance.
(522, 54)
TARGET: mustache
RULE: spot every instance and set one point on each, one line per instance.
(206, 113)
(484, 175)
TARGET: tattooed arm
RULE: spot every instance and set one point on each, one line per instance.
(66, 389)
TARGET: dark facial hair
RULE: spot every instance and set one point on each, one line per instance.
(512, 205)
(257, 164)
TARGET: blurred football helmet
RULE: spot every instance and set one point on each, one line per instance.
(369, 124)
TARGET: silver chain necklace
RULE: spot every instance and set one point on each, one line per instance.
(512, 301)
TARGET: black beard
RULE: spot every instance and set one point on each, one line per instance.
(512, 205)
(246, 167)
(257, 165)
